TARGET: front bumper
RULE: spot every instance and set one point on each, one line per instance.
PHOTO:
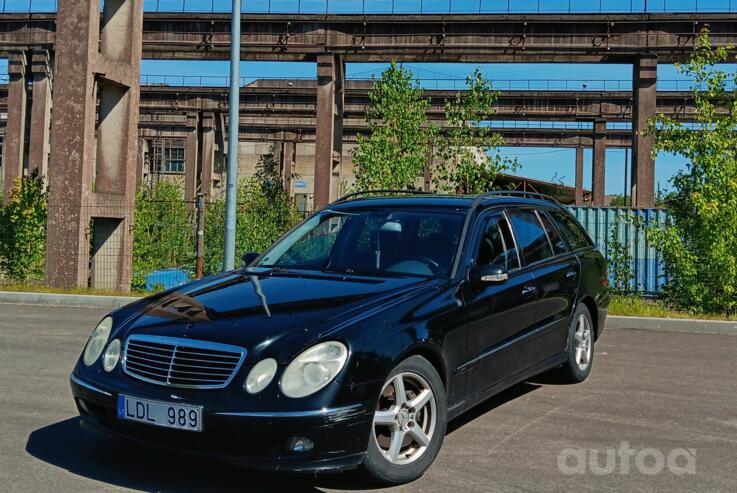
(251, 439)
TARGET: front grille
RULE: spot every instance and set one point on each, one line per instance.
(182, 363)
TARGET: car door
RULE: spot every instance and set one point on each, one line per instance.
(498, 316)
(556, 271)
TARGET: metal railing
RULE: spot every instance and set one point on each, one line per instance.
(411, 6)
(430, 83)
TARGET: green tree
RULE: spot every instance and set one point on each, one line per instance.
(699, 242)
(163, 231)
(469, 159)
(23, 231)
(395, 151)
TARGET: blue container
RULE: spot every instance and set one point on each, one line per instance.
(647, 266)
(166, 279)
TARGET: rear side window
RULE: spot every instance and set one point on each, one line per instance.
(531, 237)
(572, 232)
(559, 246)
(496, 246)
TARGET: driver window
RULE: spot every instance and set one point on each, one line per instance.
(496, 246)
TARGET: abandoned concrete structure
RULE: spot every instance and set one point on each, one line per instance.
(73, 99)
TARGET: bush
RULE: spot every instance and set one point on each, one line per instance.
(23, 231)
(163, 231)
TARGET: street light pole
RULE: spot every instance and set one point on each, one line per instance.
(231, 189)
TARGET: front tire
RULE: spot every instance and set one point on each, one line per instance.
(580, 346)
(409, 424)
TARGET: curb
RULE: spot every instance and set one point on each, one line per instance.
(693, 326)
(70, 300)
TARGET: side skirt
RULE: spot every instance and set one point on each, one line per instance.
(474, 400)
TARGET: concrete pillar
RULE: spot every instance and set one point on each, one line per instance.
(289, 155)
(141, 166)
(329, 131)
(191, 144)
(207, 152)
(579, 175)
(15, 129)
(427, 175)
(644, 85)
(599, 168)
(38, 148)
(277, 154)
(92, 176)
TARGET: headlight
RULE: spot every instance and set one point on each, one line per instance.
(313, 369)
(97, 341)
(112, 355)
(260, 376)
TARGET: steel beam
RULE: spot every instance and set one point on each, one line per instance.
(645, 73)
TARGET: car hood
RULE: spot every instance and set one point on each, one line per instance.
(255, 309)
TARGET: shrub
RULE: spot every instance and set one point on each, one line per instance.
(163, 234)
(23, 231)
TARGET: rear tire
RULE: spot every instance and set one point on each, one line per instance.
(580, 347)
(407, 432)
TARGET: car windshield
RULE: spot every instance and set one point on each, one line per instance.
(375, 242)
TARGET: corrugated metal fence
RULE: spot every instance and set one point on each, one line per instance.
(649, 274)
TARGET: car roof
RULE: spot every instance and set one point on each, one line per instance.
(464, 202)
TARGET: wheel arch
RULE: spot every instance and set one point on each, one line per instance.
(432, 355)
(590, 303)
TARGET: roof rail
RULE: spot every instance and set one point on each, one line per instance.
(514, 193)
(346, 198)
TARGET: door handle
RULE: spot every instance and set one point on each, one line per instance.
(528, 290)
(571, 274)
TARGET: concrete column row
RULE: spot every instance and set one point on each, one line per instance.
(29, 119)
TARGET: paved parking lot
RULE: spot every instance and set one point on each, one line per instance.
(659, 413)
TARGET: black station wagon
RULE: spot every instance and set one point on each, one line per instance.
(355, 338)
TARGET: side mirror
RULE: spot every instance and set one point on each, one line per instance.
(488, 274)
(249, 257)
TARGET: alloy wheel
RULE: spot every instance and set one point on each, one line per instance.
(582, 342)
(405, 418)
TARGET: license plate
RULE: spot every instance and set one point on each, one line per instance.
(157, 413)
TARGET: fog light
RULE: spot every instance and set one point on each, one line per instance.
(83, 406)
(300, 444)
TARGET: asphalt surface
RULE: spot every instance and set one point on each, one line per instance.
(669, 396)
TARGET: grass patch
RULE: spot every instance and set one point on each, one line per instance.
(636, 306)
(40, 288)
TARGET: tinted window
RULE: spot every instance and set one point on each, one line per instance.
(372, 242)
(531, 238)
(570, 229)
(559, 246)
(496, 246)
